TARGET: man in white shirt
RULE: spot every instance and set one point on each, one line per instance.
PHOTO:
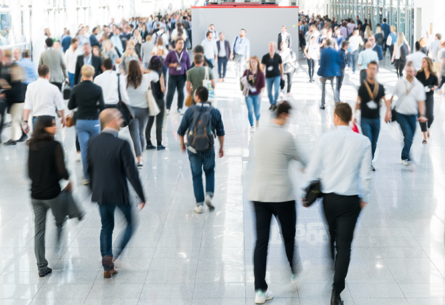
(43, 98)
(71, 59)
(411, 94)
(416, 57)
(240, 51)
(434, 47)
(108, 81)
(210, 48)
(355, 41)
(342, 163)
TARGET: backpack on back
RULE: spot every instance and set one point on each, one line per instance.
(404, 52)
(200, 135)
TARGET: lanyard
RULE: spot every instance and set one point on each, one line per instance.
(179, 58)
(374, 93)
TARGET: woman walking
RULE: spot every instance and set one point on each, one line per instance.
(289, 59)
(397, 58)
(312, 52)
(158, 90)
(137, 85)
(391, 39)
(128, 56)
(430, 81)
(256, 79)
(108, 51)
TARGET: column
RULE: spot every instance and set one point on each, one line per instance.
(71, 14)
(37, 37)
(16, 32)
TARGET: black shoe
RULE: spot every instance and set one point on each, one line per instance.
(322, 107)
(373, 169)
(150, 147)
(270, 108)
(274, 107)
(161, 147)
(23, 138)
(46, 272)
(335, 298)
(10, 142)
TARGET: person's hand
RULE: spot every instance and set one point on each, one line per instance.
(2, 95)
(141, 206)
(231, 56)
(183, 148)
(221, 152)
(388, 116)
(175, 65)
(25, 127)
(63, 121)
(69, 187)
(321, 79)
(67, 81)
(250, 77)
(304, 202)
(422, 119)
(308, 57)
(362, 204)
(355, 120)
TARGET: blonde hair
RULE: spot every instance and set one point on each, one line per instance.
(274, 44)
(393, 28)
(430, 66)
(87, 71)
(422, 42)
(258, 62)
(368, 31)
(400, 39)
(378, 29)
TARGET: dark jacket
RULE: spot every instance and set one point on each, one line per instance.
(342, 54)
(288, 40)
(379, 51)
(88, 98)
(329, 63)
(110, 164)
(66, 43)
(93, 40)
(96, 62)
(226, 45)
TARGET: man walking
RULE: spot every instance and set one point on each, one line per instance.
(110, 165)
(201, 152)
(273, 65)
(365, 57)
(112, 87)
(178, 63)
(210, 48)
(329, 68)
(284, 36)
(87, 58)
(71, 59)
(369, 99)
(53, 59)
(386, 30)
(274, 150)
(197, 74)
(345, 184)
(411, 94)
(342, 54)
(240, 52)
(375, 47)
(223, 56)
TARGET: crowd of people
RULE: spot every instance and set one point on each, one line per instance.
(127, 74)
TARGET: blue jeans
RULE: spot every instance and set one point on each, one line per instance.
(212, 61)
(175, 82)
(353, 58)
(85, 130)
(253, 103)
(408, 125)
(222, 67)
(71, 78)
(198, 162)
(371, 130)
(275, 82)
(106, 212)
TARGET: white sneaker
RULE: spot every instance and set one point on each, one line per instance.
(261, 298)
(405, 162)
(257, 124)
(252, 129)
(78, 157)
(168, 111)
(140, 164)
(180, 111)
(85, 181)
(209, 203)
(199, 209)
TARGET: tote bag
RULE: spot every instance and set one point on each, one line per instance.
(153, 109)
(208, 84)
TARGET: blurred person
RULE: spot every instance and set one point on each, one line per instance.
(424, 45)
(391, 39)
(87, 58)
(434, 49)
(65, 33)
(46, 167)
(28, 66)
(379, 36)
(88, 99)
(71, 59)
(345, 185)
(137, 39)
(198, 49)
(137, 85)
(109, 51)
(117, 43)
(339, 37)
(178, 62)
(210, 48)
(375, 47)
(428, 78)
(284, 36)
(146, 49)
(158, 90)
(223, 47)
(274, 150)
(355, 41)
(211, 29)
(202, 160)
(312, 52)
(272, 63)
(144, 32)
(386, 30)
(368, 32)
(240, 53)
(342, 53)
(111, 166)
(410, 104)
(97, 52)
(129, 55)
(43, 99)
(113, 88)
(161, 51)
(289, 59)
(329, 69)
(442, 63)
(400, 52)
(364, 58)
(66, 41)
(416, 58)
(370, 95)
(256, 79)
(82, 37)
(54, 60)
(93, 39)
(197, 74)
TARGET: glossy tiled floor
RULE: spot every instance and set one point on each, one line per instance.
(178, 257)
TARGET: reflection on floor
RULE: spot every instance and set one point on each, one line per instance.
(179, 257)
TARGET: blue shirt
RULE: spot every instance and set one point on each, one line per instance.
(66, 43)
(30, 68)
(241, 46)
(365, 57)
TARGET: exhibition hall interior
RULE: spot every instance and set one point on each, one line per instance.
(191, 152)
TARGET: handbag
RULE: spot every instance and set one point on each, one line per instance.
(153, 109)
(69, 206)
(240, 83)
(313, 192)
(127, 112)
(71, 119)
(208, 84)
(189, 101)
(66, 92)
(282, 84)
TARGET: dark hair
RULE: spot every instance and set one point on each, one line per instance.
(95, 28)
(26, 54)
(244, 30)
(39, 133)
(417, 46)
(107, 63)
(208, 33)
(49, 42)
(198, 49)
(344, 112)
(344, 44)
(134, 77)
(198, 59)
(374, 63)
(284, 107)
(73, 40)
(43, 70)
(155, 63)
(202, 93)
(384, 19)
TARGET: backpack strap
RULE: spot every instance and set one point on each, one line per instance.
(119, 87)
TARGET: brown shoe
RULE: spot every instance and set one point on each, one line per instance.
(109, 274)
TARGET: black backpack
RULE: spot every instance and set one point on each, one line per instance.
(404, 52)
(200, 136)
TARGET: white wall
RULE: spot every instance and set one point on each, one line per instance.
(433, 12)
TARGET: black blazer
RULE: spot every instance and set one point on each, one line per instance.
(96, 62)
(226, 46)
(288, 40)
(110, 164)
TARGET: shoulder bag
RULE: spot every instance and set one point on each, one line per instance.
(153, 108)
(208, 84)
(313, 192)
(127, 113)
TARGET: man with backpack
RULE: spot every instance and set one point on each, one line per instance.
(202, 123)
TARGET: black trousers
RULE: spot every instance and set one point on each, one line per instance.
(341, 214)
(363, 76)
(59, 85)
(289, 77)
(429, 113)
(311, 67)
(159, 122)
(399, 65)
(176, 82)
(286, 214)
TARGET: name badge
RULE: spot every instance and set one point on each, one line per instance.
(179, 68)
(270, 68)
(372, 105)
(253, 90)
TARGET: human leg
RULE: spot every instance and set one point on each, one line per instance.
(405, 122)
(224, 61)
(180, 87)
(196, 164)
(354, 60)
(276, 85)
(148, 130)
(82, 128)
(290, 76)
(16, 121)
(134, 132)
(309, 67)
(339, 84)
(172, 84)
(40, 209)
(106, 212)
(249, 105)
(160, 121)
(287, 216)
(128, 232)
(366, 125)
(209, 170)
(143, 119)
(220, 64)
(71, 78)
(263, 216)
(323, 91)
(269, 84)
(256, 101)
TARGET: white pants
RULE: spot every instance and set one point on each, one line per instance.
(16, 121)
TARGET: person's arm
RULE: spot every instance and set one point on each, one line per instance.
(188, 86)
(185, 123)
(305, 53)
(77, 72)
(388, 109)
(41, 60)
(314, 165)
(232, 49)
(131, 172)
(247, 50)
(292, 151)
(72, 103)
(221, 146)
(215, 49)
(63, 66)
(280, 66)
(360, 59)
(62, 172)
(161, 80)
(101, 100)
(290, 41)
(213, 83)
(366, 174)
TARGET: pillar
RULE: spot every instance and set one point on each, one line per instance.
(37, 37)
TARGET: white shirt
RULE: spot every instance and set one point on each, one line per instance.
(313, 50)
(416, 59)
(222, 48)
(354, 42)
(137, 97)
(210, 48)
(342, 162)
(71, 59)
(108, 82)
(43, 98)
(407, 104)
(434, 50)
